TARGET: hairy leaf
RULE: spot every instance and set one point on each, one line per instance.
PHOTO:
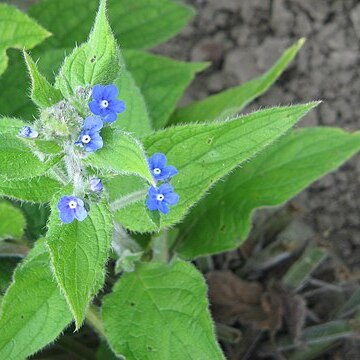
(232, 101)
(135, 119)
(78, 253)
(162, 81)
(12, 221)
(43, 93)
(34, 312)
(37, 189)
(204, 153)
(95, 62)
(122, 154)
(272, 178)
(137, 24)
(17, 31)
(16, 159)
(160, 312)
(127, 196)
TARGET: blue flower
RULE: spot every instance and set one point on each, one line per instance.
(70, 208)
(105, 102)
(90, 138)
(157, 165)
(28, 132)
(159, 198)
(96, 185)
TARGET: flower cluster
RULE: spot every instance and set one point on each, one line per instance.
(105, 107)
(160, 197)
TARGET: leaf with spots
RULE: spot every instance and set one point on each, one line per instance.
(33, 311)
(78, 254)
(177, 324)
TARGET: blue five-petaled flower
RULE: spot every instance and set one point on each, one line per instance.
(90, 138)
(70, 208)
(159, 169)
(105, 102)
(160, 197)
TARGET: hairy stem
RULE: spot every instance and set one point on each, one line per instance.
(94, 320)
(128, 199)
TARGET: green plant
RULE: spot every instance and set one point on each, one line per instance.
(158, 307)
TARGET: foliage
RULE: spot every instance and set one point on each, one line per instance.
(110, 211)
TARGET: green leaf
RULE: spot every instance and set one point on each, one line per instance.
(39, 189)
(160, 312)
(78, 253)
(162, 81)
(204, 153)
(122, 154)
(17, 31)
(15, 101)
(12, 221)
(127, 196)
(300, 271)
(138, 24)
(232, 101)
(135, 119)
(16, 159)
(36, 218)
(95, 62)
(43, 93)
(7, 267)
(275, 176)
(34, 312)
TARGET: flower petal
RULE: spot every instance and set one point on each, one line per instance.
(163, 207)
(165, 189)
(168, 172)
(151, 204)
(171, 198)
(80, 213)
(93, 123)
(117, 106)
(95, 107)
(158, 160)
(67, 215)
(110, 116)
(110, 92)
(97, 92)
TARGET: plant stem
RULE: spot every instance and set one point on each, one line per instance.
(128, 199)
(122, 241)
(94, 319)
(59, 175)
(160, 247)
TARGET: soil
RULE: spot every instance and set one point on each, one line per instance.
(243, 39)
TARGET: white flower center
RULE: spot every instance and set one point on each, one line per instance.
(72, 204)
(104, 104)
(86, 139)
(157, 171)
(159, 197)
